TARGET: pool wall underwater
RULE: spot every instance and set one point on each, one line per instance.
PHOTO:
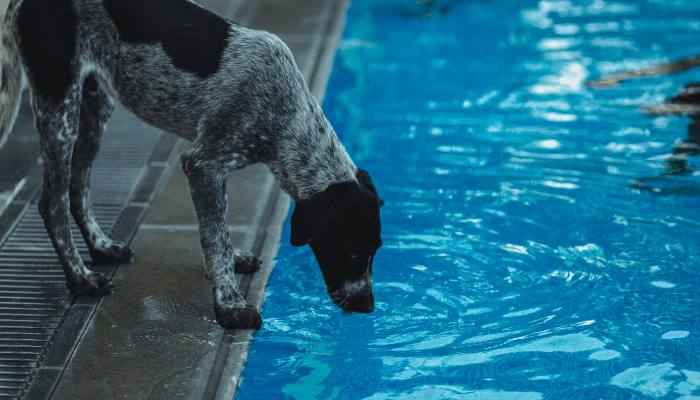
(520, 259)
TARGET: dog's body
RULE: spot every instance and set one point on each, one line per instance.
(235, 93)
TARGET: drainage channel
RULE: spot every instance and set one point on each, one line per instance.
(34, 300)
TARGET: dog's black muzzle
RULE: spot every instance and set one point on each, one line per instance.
(361, 301)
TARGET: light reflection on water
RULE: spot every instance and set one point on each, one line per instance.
(520, 259)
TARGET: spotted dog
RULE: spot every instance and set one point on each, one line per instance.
(235, 93)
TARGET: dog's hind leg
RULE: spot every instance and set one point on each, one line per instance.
(206, 176)
(96, 109)
(57, 122)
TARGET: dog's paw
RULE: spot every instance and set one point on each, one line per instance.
(246, 262)
(92, 284)
(243, 317)
(115, 253)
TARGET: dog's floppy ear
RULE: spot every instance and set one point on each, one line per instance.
(314, 217)
(363, 176)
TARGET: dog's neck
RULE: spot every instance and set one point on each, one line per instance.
(310, 157)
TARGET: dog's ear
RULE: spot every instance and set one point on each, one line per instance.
(314, 217)
(363, 176)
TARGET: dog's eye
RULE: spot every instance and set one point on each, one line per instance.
(353, 256)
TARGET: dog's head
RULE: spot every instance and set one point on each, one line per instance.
(342, 226)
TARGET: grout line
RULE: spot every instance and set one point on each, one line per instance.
(181, 227)
(222, 355)
(193, 227)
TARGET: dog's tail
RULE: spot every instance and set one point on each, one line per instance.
(11, 77)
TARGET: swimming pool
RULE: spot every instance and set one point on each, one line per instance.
(518, 260)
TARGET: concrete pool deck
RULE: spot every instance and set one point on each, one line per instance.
(155, 336)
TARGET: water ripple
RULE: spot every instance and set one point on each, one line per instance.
(536, 241)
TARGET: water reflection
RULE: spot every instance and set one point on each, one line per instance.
(686, 103)
(615, 79)
(658, 380)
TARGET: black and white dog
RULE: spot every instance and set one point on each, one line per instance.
(235, 93)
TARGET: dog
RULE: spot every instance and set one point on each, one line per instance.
(235, 93)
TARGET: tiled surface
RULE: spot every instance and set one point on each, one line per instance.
(155, 336)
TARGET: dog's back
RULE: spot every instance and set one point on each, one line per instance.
(174, 64)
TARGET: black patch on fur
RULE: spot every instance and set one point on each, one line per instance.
(313, 218)
(47, 31)
(3, 76)
(366, 181)
(193, 37)
(343, 228)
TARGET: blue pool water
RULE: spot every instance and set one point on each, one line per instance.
(518, 261)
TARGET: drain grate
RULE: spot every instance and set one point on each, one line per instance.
(34, 300)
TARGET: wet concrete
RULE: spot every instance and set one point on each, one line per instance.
(155, 336)
(34, 300)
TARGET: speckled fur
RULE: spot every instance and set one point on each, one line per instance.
(255, 107)
(12, 76)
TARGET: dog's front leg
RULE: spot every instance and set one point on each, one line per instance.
(207, 186)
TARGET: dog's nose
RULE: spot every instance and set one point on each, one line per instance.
(362, 305)
(365, 308)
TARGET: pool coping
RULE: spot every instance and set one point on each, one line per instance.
(234, 346)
